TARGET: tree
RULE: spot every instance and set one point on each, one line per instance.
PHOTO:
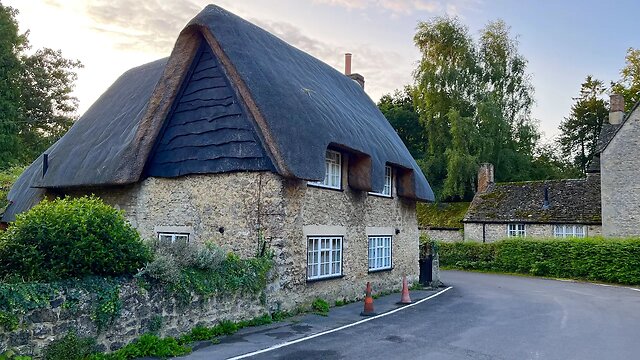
(36, 106)
(398, 108)
(579, 131)
(474, 101)
(629, 84)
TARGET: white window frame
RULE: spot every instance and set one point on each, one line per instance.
(333, 171)
(388, 181)
(569, 230)
(324, 257)
(380, 252)
(516, 230)
(173, 237)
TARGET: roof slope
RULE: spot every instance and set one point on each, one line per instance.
(570, 202)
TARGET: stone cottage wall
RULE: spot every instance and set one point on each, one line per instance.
(620, 176)
(494, 232)
(142, 312)
(283, 212)
(446, 235)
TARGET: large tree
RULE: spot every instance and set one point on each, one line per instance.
(580, 130)
(474, 101)
(36, 106)
(399, 109)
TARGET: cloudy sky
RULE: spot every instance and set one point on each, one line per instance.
(563, 40)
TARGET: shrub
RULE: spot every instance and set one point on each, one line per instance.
(68, 238)
(594, 259)
(70, 347)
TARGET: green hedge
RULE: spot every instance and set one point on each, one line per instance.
(594, 259)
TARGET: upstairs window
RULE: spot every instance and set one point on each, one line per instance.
(388, 177)
(563, 231)
(173, 238)
(333, 171)
(516, 230)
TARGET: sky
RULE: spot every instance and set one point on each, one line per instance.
(563, 41)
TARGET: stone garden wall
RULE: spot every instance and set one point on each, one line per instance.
(142, 311)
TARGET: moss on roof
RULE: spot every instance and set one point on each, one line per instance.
(441, 215)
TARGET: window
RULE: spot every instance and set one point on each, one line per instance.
(379, 253)
(564, 231)
(333, 171)
(324, 257)
(514, 230)
(386, 190)
(173, 237)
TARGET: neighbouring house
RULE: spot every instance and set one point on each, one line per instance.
(550, 208)
(239, 136)
(442, 221)
(618, 160)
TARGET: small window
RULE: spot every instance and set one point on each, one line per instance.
(388, 178)
(516, 230)
(324, 257)
(333, 171)
(564, 231)
(173, 238)
(379, 253)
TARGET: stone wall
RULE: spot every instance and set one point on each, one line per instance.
(446, 235)
(253, 204)
(142, 311)
(494, 232)
(620, 176)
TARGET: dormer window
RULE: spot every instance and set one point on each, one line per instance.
(333, 171)
(388, 178)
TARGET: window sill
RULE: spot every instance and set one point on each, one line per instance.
(325, 187)
(380, 195)
(373, 271)
(325, 278)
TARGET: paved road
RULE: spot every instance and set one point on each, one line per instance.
(493, 317)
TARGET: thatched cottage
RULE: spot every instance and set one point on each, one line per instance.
(239, 136)
(551, 208)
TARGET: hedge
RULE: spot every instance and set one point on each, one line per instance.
(593, 259)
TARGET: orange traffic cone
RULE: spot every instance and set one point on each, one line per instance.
(368, 302)
(405, 298)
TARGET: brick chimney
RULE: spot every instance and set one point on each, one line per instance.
(616, 109)
(347, 70)
(485, 177)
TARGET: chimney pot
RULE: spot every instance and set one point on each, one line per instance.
(347, 64)
(485, 177)
(616, 109)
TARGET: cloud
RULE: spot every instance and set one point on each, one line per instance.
(403, 7)
(154, 25)
(151, 25)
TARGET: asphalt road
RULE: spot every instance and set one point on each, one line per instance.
(493, 317)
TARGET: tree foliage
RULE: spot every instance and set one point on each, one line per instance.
(473, 99)
(629, 83)
(36, 106)
(400, 111)
(579, 131)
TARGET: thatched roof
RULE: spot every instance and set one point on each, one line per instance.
(569, 202)
(285, 108)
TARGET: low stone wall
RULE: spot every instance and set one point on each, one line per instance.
(445, 235)
(142, 311)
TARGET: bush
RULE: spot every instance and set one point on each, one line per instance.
(594, 259)
(68, 238)
(70, 347)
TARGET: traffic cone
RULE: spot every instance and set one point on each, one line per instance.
(405, 298)
(368, 302)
